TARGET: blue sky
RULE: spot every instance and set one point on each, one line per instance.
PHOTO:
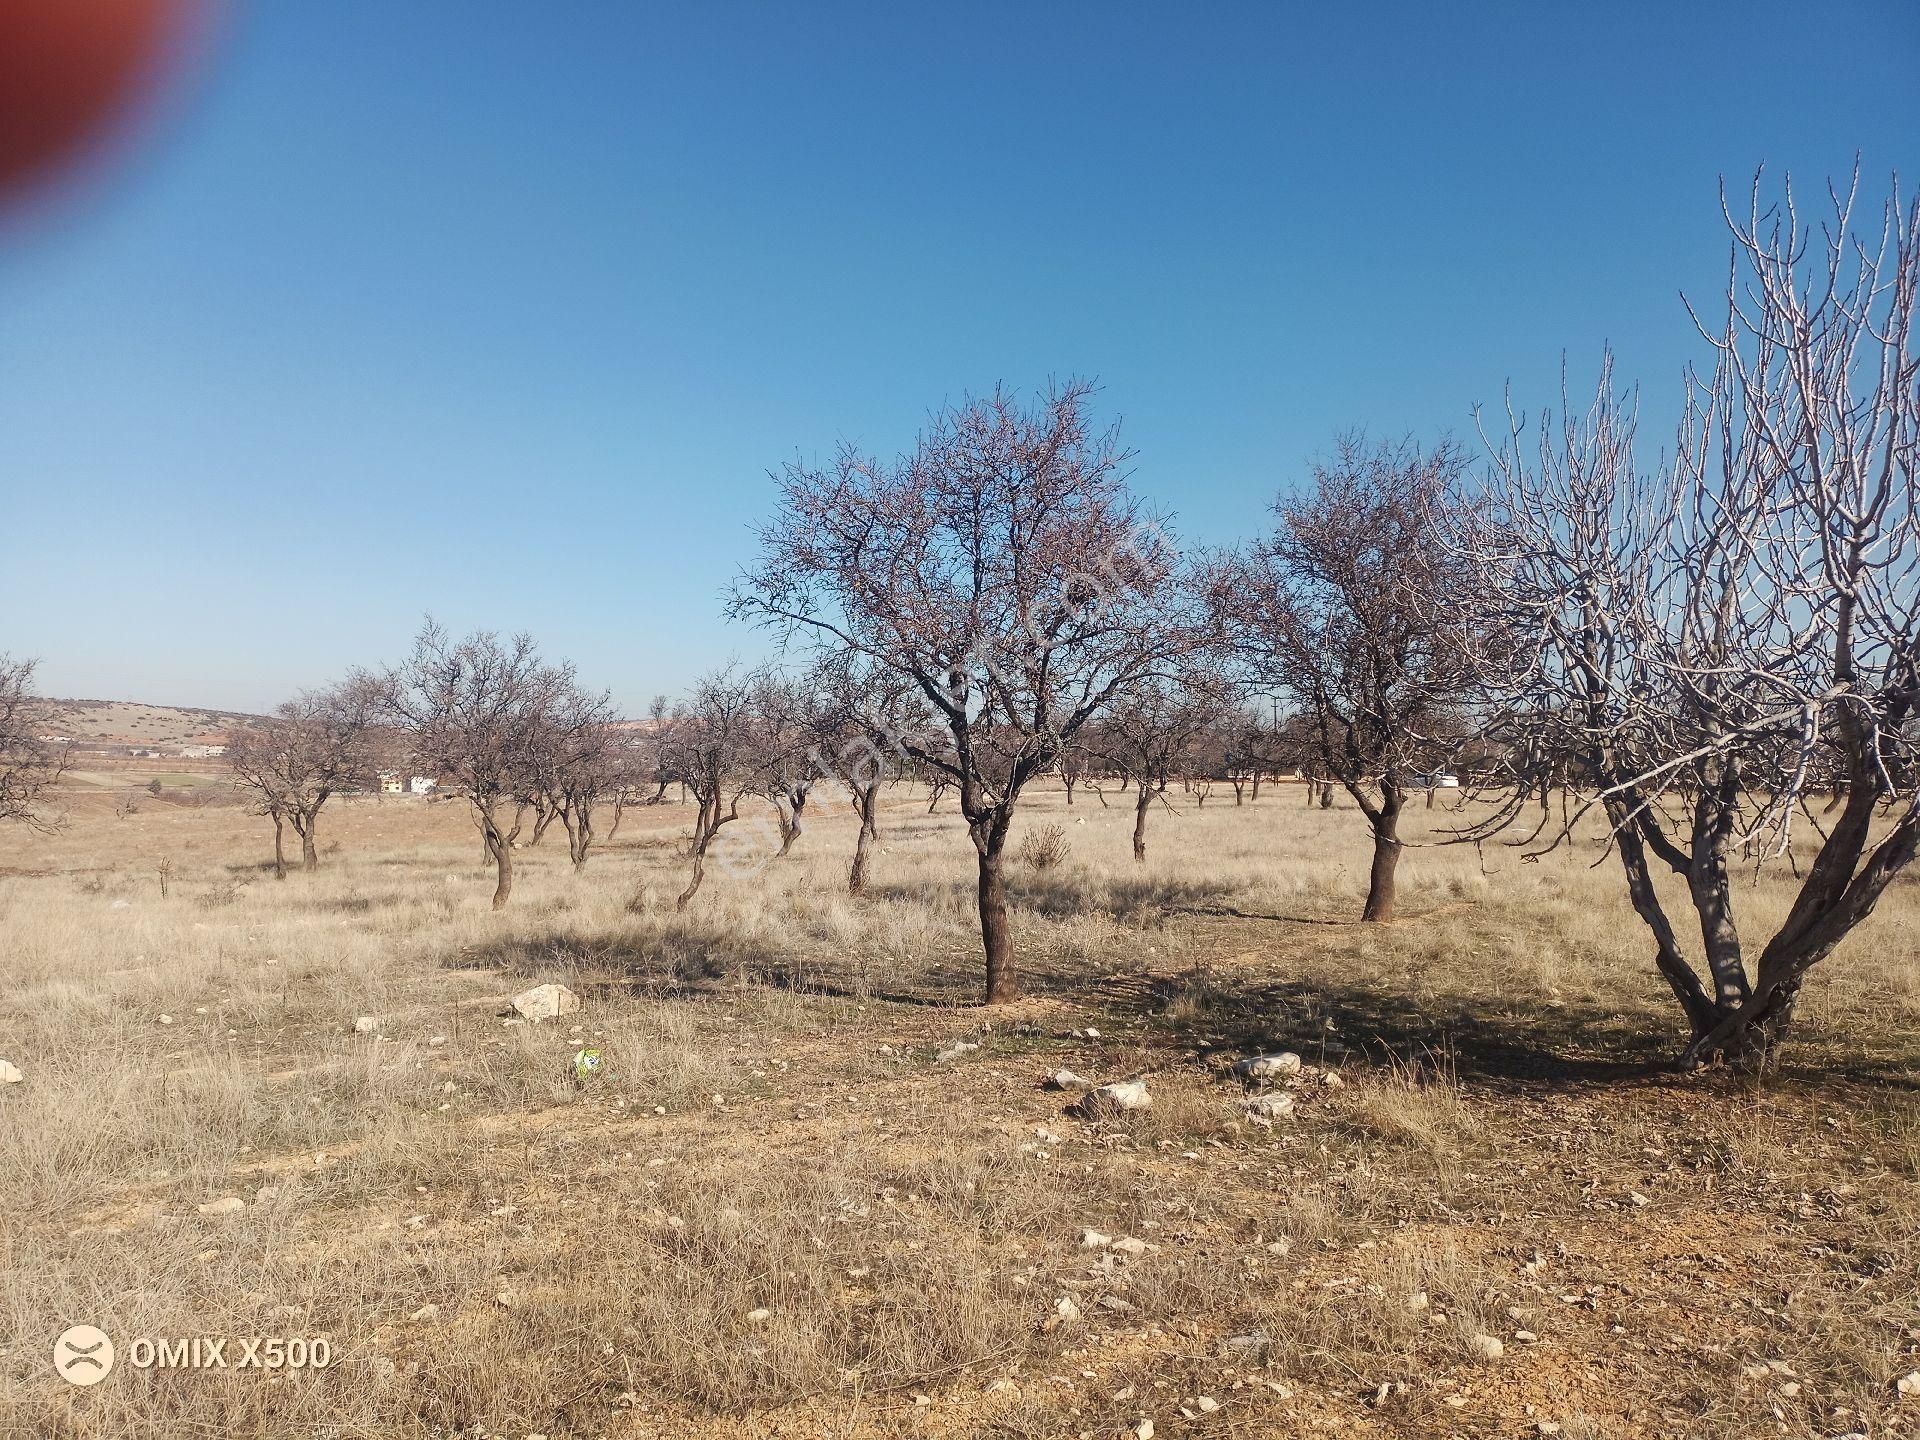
(503, 311)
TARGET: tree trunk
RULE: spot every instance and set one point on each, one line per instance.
(1386, 860)
(1140, 825)
(1326, 794)
(867, 801)
(1255, 797)
(1069, 784)
(704, 826)
(279, 846)
(990, 838)
(309, 852)
(500, 851)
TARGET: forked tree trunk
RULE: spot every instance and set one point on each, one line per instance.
(1386, 860)
(500, 850)
(306, 825)
(1239, 790)
(1140, 806)
(996, 938)
(578, 820)
(866, 801)
(279, 846)
(705, 824)
(1326, 794)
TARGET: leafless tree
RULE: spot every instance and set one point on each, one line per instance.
(296, 759)
(1003, 569)
(585, 762)
(482, 712)
(1353, 609)
(1710, 644)
(715, 744)
(868, 710)
(29, 766)
(1154, 733)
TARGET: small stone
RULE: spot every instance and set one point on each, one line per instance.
(1275, 1105)
(10, 1073)
(1526, 1337)
(1120, 1095)
(955, 1051)
(225, 1205)
(1206, 1404)
(545, 1002)
(1268, 1067)
(166, 1019)
(1418, 1300)
(365, 1024)
(1094, 1240)
(425, 1312)
(1068, 1312)
(1064, 1079)
(504, 1299)
(1143, 1431)
(1908, 1384)
(1130, 1246)
(1251, 1340)
(1637, 1198)
(1333, 1081)
(1487, 1347)
(759, 1316)
(436, 1040)
(1003, 1386)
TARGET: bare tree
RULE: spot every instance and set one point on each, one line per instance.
(715, 744)
(1712, 644)
(29, 766)
(1155, 733)
(868, 710)
(1352, 608)
(587, 760)
(1003, 569)
(300, 756)
(482, 713)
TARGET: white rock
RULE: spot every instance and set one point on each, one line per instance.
(759, 1316)
(1417, 1300)
(1120, 1095)
(1094, 1240)
(1526, 1337)
(425, 1312)
(10, 1073)
(1333, 1081)
(1908, 1384)
(1143, 1431)
(437, 1040)
(226, 1205)
(365, 1024)
(545, 1002)
(1206, 1404)
(1066, 1309)
(1268, 1067)
(956, 1050)
(166, 1019)
(1092, 1034)
(1003, 1386)
(1065, 1080)
(1275, 1105)
(1130, 1246)
(1487, 1347)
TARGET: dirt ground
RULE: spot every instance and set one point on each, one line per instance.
(788, 1203)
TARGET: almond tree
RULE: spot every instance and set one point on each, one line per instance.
(868, 711)
(1001, 568)
(715, 745)
(29, 766)
(1351, 608)
(1155, 732)
(300, 756)
(482, 713)
(1712, 644)
(587, 760)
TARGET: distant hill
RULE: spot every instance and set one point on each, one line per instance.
(128, 722)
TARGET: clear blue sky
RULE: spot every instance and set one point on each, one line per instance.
(504, 310)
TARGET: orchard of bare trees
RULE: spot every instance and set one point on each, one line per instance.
(1691, 643)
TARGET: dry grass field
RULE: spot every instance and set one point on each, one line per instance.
(775, 1211)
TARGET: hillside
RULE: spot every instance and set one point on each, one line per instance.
(129, 722)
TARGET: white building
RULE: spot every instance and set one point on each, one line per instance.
(421, 785)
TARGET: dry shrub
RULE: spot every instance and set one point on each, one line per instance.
(1044, 847)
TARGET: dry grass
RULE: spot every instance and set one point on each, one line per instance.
(776, 1211)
